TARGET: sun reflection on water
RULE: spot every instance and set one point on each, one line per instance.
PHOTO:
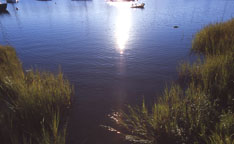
(122, 24)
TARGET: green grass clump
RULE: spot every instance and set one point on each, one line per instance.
(216, 75)
(34, 106)
(198, 110)
(215, 39)
(10, 66)
(177, 117)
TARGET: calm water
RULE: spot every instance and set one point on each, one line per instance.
(112, 54)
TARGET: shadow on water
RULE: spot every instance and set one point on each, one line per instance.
(15, 13)
(82, 5)
(3, 29)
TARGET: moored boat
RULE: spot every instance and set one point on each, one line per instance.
(136, 5)
(3, 7)
(120, 0)
(12, 1)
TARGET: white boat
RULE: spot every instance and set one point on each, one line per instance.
(137, 5)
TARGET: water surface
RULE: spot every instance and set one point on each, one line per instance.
(112, 54)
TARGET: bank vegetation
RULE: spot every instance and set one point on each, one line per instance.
(200, 108)
(34, 106)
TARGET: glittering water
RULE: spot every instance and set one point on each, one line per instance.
(114, 55)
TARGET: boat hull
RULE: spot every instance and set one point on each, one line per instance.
(12, 1)
(3, 7)
(138, 6)
(120, 0)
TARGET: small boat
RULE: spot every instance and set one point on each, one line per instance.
(120, 0)
(136, 5)
(12, 1)
(3, 7)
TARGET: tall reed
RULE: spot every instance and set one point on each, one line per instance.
(34, 106)
(198, 110)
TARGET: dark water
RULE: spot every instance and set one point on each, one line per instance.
(112, 54)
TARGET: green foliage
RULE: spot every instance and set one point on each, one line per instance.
(224, 132)
(201, 109)
(10, 66)
(216, 75)
(34, 106)
(215, 39)
(177, 117)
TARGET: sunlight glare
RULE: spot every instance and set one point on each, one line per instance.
(122, 24)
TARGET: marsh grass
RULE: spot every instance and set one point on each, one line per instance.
(216, 75)
(34, 106)
(10, 66)
(177, 117)
(200, 109)
(215, 39)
